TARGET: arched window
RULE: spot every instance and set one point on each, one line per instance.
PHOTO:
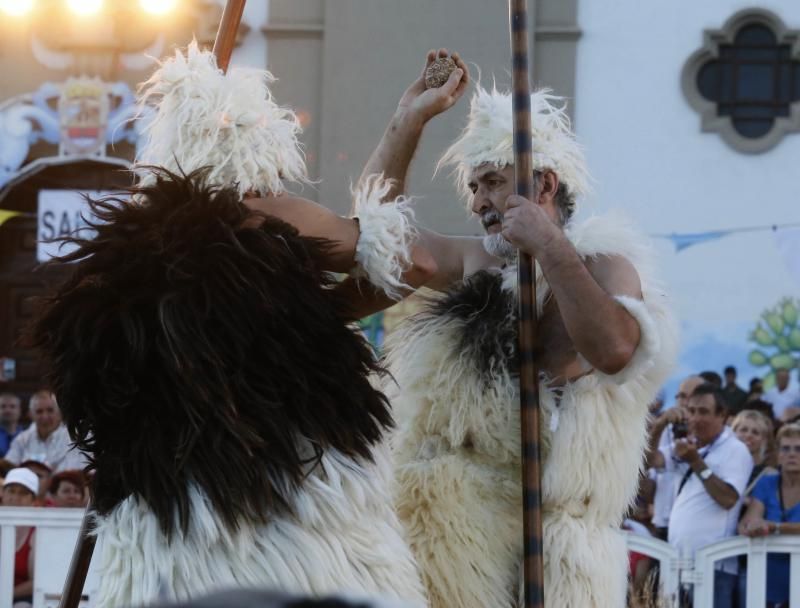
(745, 81)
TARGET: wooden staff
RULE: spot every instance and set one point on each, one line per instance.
(82, 555)
(528, 374)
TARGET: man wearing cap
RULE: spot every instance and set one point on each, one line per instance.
(605, 343)
(20, 488)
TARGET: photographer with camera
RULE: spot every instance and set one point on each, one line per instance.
(713, 468)
(671, 425)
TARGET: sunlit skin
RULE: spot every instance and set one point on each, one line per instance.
(69, 495)
(751, 434)
(705, 423)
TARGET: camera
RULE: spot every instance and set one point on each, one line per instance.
(9, 369)
(680, 430)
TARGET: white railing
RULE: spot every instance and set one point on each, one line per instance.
(57, 531)
(677, 569)
(55, 538)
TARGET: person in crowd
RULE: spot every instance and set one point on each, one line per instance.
(10, 414)
(782, 396)
(714, 467)
(756, 390)
(735, 395)
(755, 430)
(775, 509)
(20, 488)
(68, 489)
(44, 473)
(713, 378)
(47, 439)
(665, 480)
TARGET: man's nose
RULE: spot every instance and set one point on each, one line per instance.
(480, 204)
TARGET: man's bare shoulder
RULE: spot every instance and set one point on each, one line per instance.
(616, 275)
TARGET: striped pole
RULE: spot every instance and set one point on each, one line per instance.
(528, 374)
(226, 34)
(82, 555)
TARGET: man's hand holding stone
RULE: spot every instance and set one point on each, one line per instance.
(421, 104)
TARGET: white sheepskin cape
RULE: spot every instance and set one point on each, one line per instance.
(345, 539)
(458, 456)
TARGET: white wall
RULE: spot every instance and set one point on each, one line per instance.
(253, 50)
(649, 157)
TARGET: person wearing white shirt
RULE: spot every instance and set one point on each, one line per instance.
(714, 467)
(781, 396)
(47, 439)
(666, 481)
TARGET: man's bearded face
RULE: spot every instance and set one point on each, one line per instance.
(490, 187)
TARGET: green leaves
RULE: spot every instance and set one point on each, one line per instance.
(778, 335)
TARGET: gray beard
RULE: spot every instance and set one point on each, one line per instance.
(499, 247)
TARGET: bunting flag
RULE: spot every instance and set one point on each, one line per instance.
(5, 215)
(689, 239)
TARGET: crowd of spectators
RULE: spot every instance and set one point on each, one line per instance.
(722, 461)
(39, 467)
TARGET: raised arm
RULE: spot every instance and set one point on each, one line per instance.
(453, 256)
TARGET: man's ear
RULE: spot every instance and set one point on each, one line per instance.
(547, 186)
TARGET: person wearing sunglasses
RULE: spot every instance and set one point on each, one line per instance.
(775, 509)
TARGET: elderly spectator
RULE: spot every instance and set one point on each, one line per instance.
(20, 488)
(782, 396)
(10, 413)
(671, 425)
(68, 489)
(714, 467)
(734, 394)
(775, 509)
(47, 439)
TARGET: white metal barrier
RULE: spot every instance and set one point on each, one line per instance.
(677, 569)
(55, 538)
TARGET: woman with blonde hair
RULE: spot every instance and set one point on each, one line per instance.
(775, 509)
(755, 430)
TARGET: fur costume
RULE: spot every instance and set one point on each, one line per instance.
(457, 446)
(203, 364)
(489, 138)
(386, 236)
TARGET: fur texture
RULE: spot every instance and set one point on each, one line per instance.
(344, 537)
(489, 138)
(228, 122)
(206, 369)
(457, 445)
(383, 251)
(179, 349)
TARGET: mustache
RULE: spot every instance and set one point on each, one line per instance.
(491, 217)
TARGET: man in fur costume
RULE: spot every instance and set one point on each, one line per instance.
(606, 340)
(205, 362)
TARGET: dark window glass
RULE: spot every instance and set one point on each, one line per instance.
(755, 35)
(753, 81)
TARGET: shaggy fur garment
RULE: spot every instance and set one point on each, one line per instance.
(457, 446)
(202, 362)
(228, 122)
(489, 138)
(383, 251)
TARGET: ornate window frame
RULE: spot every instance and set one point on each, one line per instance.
(723, 125)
